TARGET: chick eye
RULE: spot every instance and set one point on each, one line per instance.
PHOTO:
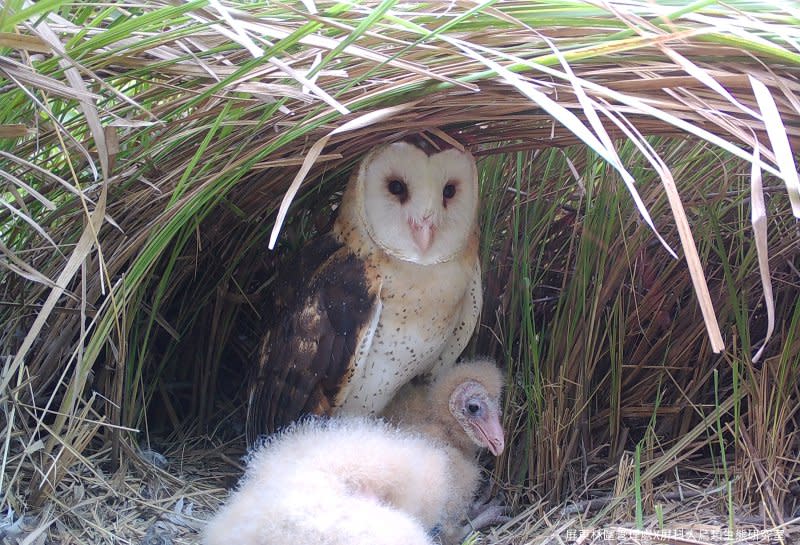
(449, 191)
(397, 187)
(473, 408)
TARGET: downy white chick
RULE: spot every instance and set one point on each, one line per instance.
(358, 481)
(465, 397)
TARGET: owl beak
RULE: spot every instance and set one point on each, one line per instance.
(490, 430)
(422, 232)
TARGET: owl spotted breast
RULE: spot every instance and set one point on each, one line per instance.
(392, 292)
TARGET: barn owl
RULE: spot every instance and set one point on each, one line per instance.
(393, 291)
(362, 481)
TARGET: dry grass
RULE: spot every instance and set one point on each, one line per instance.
(146, 149)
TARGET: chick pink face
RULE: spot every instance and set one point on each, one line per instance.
(480, 416)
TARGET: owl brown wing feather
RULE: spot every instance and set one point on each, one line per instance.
(309, 354)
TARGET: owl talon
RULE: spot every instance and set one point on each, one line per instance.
(486, 511)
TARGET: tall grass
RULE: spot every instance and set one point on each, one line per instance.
(607, 352)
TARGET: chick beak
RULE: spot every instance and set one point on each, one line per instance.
(490, 429)
(422, 232)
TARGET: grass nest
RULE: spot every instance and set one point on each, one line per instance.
(639, 244)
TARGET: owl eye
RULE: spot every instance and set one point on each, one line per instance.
(398, 189)
(449, 191)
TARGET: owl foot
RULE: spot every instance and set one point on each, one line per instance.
(484, 512)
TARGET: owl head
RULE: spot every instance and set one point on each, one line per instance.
(416, 206)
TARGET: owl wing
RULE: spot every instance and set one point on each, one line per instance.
(326, 313)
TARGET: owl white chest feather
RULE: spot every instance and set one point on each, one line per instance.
(427, 317)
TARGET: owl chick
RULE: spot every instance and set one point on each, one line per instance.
(362, 481)
(460, 410)
(393, 291)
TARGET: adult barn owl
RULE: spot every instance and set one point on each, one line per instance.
(392, 292)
